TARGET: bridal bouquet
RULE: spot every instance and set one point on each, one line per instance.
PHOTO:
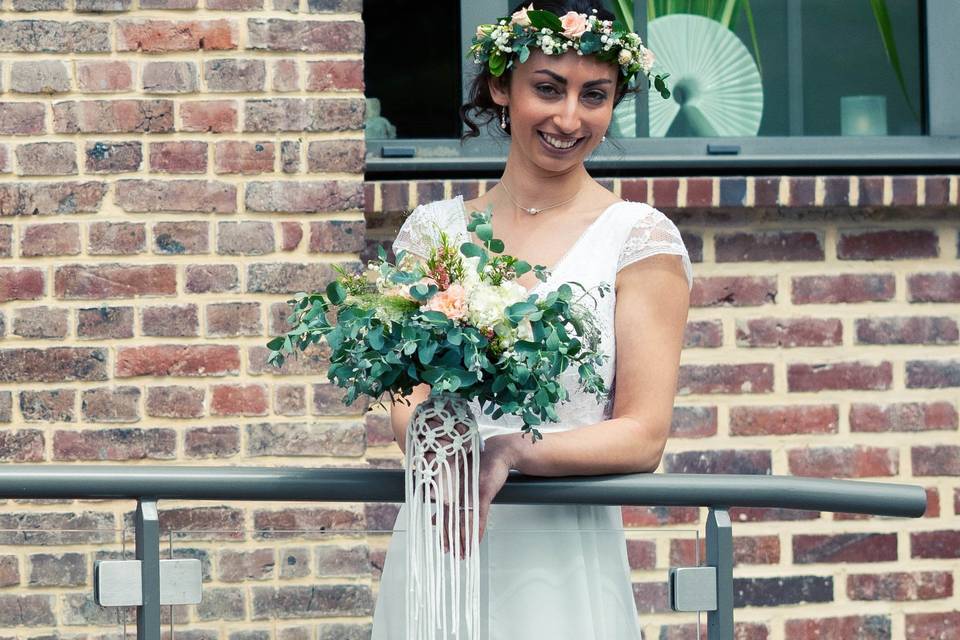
(461, 323)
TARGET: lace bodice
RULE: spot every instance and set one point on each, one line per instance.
(624, 233)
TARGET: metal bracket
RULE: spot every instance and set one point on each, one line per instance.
(117, 583)
(693, 588)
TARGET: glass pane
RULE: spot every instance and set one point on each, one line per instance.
(816, 68)
(47, 557)
(412, 69)
(315, 571)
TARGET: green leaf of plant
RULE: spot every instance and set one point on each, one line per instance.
(496, 245)
(497, 64)
(882, 16)
(545, 19)
(471, 250)
(589, 42)
(336, 292)
(425, 353)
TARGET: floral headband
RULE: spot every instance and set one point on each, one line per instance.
(496, 44)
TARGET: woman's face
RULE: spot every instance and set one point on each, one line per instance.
(559, 101)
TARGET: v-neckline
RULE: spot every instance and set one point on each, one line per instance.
(566, 254)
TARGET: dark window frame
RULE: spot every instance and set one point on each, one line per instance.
(935, 152)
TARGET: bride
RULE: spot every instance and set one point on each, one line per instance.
(561, 571)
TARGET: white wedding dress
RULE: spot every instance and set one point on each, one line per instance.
(546, 571)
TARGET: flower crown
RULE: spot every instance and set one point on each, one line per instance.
(610, 41)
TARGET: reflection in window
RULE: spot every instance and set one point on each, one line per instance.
(816, 68)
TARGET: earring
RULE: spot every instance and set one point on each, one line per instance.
(503, 118)
(603, 139)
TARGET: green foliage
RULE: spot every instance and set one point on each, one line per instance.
(384, 343)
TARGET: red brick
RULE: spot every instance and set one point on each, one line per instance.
(693, 422)
(148, 196)
(766, 191)
(104, 76)
(212, 442)
(20, 446)
(335, 75)
(336, 236)
(750, 462)
(113, 157)
(638, 517)
(233, 156)
(40, 322)
(665, 191)
(699, 192)
(230, 319)
(303, 114)
(105, 322)
(940, 460)
(55, 364)
(47, 159)
(772, 246)
(216, 116)
(291, 235)
(115, 444)
(725, 378)
(178, 360)
(290, 157)
(844, 462)
(158, 36)
(291, 400)
(312, 522)
(170, 321)
(943, 544)
(239, 400)
(789, 332)
(867, 627)
(784, 420)
(309, 36)
(211, 278)
(21, 284)
(169, 76)
(845, 547)
(113, 116)
(905, 191)
(915, 330)
(703, 334)
(22, 610)
(747, 550)
(871, 191)
(111, 404)
(733, 291)
(53, 239)
(178, 157)
(204, 523)
(116, 238)
(932, 626)
(175, 401)
(240, 566)
(903, 416)
(631, 189)
(642, 554)
(181, 238)
(249, 238)
(6, 240)
(314, 360)
(900, 586)
(232, 75)
(293, 439)
(50, 198)
(651, 597)
(888, 244)
(933, 287)
(336, 156)
(771, 514)
(839, 376)
(328, 401)
(22, 118)
(843, 288)
(97, 281)
(394, 195)
(933, 374)
(286, 75)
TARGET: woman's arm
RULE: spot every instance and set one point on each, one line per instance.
(400, 413)
(651, 313)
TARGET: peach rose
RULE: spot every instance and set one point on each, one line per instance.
(521, 18)
(451, 303)
(574, 24)
(403, 290)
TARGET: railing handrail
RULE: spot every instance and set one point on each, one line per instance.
(386, 485)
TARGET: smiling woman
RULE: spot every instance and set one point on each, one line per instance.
(556, 571)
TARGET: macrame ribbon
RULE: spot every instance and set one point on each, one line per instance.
(435, 600)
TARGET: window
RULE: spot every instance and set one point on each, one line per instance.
(814, 91)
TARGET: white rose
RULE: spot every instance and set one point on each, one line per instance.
(625, 56)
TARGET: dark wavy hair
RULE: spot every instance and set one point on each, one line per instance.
(480, 109)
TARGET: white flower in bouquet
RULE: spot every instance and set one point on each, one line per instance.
(486, 302)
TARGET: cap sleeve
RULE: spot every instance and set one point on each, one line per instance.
(653, 233)
(416, 233)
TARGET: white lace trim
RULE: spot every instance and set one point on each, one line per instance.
(654, 233)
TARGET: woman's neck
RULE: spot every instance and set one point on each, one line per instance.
(531, 186)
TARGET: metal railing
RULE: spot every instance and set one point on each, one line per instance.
(708, 588)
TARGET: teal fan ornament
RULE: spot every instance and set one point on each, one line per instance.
(715, 81)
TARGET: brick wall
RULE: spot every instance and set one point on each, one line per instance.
(170, 170)
(822, 341)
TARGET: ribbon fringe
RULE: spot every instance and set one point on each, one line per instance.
(437, 607)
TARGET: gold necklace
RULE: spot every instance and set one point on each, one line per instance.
(533, 210)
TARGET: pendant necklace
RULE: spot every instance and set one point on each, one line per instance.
(533, 210)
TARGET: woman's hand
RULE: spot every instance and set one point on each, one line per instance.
(495, 464)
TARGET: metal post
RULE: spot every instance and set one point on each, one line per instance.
(147, 523)
(720, 555)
